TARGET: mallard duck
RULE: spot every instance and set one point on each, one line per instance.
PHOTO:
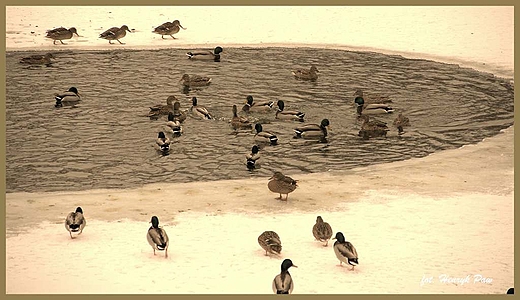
(60, 34)
(270, 242)
(178, 114)
(313, 130)
(288, 114)
(173, 126)
(37, 59)
(168, 28)
(264, 136)
(322, 231)
(115, 33)
(157, 237)
(199, 110)
(70, 96)
(281, 184)
(252, 158)
(162, 143)
(372, 128)
(195, 80)
(372, 99)
(161, 109)
(206, 55)
(400, 122)
(251, 105)
(345, 251)
(371, 109)
(311, 74)
(239, 122)
(75, 222)
(283, 283)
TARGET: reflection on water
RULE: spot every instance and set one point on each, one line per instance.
(106, 140)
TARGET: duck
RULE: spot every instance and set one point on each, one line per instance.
(161, 109)
(270, 242)
(281, 184)
(311, 74)
(264, 136)
(115, 33)
(252, 158)
(239, 122)
(372, 128)
(288, 114)
(75, 222)
(373, 99)
(371, 109)
(173, 126)
(206, 55)
(70, 96)
(178, 114)
(195, 80)
(401, 121)
(38, 59)
(313, 130)
(322, 231)
(162, 143)
(251, 105)
(199, 110)
(157, 237)
(345, 251)
(283, 283)
(169, 28)
(60, 34)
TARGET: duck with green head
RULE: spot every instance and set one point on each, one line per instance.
(69, 97)
(257, 106)
(162, 143)
(169, 28)
(283, 283)
(288, 114)
(313, 130)
(115, 33)
(157, 237)
(75, 222)
(173, 126)
(264, 136)
(345, 251)
(371, 109)
(206, 55)
(252, 158)
(60, 34)
(199, 111)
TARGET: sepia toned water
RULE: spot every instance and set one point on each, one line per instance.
(106, 141)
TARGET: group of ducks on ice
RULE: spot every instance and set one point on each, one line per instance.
(268, 240)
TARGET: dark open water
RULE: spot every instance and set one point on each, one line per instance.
(106, 140)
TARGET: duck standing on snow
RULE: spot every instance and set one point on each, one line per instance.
(157, 237)
(264, 136)
(71, 96)
(311, 74)
(288, 114)
(60, 34)
(270, 242)
(168, 28)
(206, 55)
(281, 184)
(252, 158)
(75, 222)
(115, 33)
(322, 231)
(345, 251)
(283, 283)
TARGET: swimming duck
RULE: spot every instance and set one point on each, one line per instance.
(173, 126)
(345, 251)
(178, 114)
(251, 105)
(115, 33)
(239, 122)
(160, 109)
(264, 136)
(373, 99)
(313, 130)
(168, 28)
(70, 96)
(283, 283)
(311, 74)
(371, 109)
(162, 143)
(372, 128)
(206, 55)
(199, 110)
(195, 80)
(60, 34)
(157, 237)
(75, 222)
(322, 231)
(281, 184)
(252, 158)
(400, 122)
(37, 59)
(288, 114)
(270, 242)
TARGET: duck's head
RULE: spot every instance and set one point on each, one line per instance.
(155, 222)
(178, 23)
(73, 31)
(319, 219)
(161, 135)
(176, 105)
(249, 100)
(286, 264)
(218, 50)
(280, 104)
(277, 175)
(170, 100)
(79, 210)
(49, 55)
(185, 77)
(324, 123)
(313, 68)
(74, 90)
(194, 101)
(124, 27)
(255, 149)
(234, 110)
(258, 127)
(339, 236)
